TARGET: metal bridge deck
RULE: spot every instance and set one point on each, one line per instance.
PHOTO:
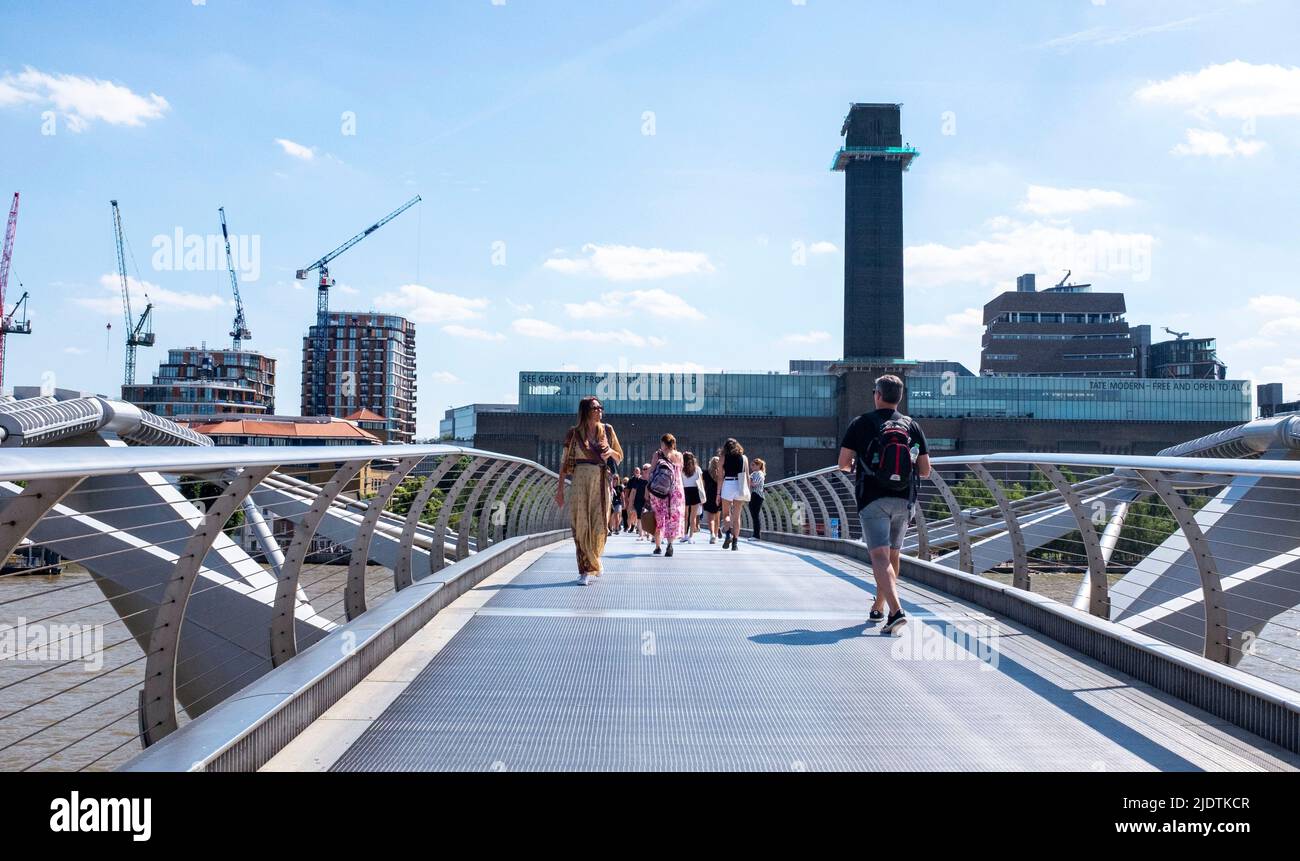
(761, 660)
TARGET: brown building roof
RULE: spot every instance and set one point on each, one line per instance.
(365, 415)
(298, 430)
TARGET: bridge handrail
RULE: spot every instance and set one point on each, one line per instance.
(1197, 568)
(181, 545)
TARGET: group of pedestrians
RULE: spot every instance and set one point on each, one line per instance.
(673, 488)
(884, 449)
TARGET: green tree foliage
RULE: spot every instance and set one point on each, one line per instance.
(203, 493)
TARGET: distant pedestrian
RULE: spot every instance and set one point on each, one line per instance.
(626, 499)
(636, 490)
(757, 477)
(589, 448)
(732, 474)
(666, 494)
(887, 447)
(711, 505)
(693, 493)
(615, 503)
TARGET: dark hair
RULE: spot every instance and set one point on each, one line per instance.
(731, 446)
(669, 440)
(586, 407)
(890, 388)
(688, 464)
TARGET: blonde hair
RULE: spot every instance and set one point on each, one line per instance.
(759, 464)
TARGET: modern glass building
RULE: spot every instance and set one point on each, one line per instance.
(369, 364)
(1080, 399)
(197, 381)
(625, 393)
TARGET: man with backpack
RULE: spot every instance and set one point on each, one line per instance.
(890, 451)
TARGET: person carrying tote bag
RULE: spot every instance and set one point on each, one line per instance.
(733, 481)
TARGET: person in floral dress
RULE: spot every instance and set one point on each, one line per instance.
(669, 510)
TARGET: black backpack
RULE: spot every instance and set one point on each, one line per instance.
(887, 462)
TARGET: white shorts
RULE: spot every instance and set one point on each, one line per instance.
(732, 490)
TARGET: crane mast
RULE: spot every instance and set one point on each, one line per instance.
(7, 324)
(319, 340)
(139, 333)
(239, 330)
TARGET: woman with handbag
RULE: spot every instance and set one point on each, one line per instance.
(666, 494)
(732, 474)
(590, 447)
(757, 478)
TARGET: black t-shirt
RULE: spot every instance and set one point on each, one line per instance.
(637, 486)
(861, 432)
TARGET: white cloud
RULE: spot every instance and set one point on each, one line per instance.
(960, 325)
(1045, 200)
(669, 368)
(654, 302)
(75, 351)
(347, 289)
(807, 338)
(143, 292)
(423, 305)
(1286, 372)
(458, 331)
(80, 99)
(1274, 305)
(1214, 144)
(1014, 247)
(1237, 90)
(549, 331)
(630, 263)
(1116, 35)
(444, 377)
(519, 307)
(823, 247)
(296, 150)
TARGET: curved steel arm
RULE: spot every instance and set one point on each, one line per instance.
(922, 532)
(402, 572)
(490, 511)
(354, 595)
(959, 522)
(438, 553)
(1217, 635)
(284, 643)
(158, 697)
(21, 512)
(1098, 583)
(502, 521)
(473, 515)
(1019, 559)
(845, 531)
(524, 498)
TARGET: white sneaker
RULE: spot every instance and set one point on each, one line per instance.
(584, 580)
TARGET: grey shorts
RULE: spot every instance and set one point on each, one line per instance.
(884, 521)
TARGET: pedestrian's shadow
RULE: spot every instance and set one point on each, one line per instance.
(805, 637)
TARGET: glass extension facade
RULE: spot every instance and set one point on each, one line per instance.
(629, 393)
(1072, 399)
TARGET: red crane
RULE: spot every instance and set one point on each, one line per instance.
(7, 324)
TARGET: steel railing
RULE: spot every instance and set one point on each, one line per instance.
(144, 585)
(1199, 552)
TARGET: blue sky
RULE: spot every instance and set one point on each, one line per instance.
(642, 183)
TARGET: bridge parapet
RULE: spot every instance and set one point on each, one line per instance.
(146, 585)
(1201, 553)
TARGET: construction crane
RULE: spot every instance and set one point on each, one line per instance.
(9, 326)
(320, 342)
(1178, 336)
(139, 333)
(239, 331)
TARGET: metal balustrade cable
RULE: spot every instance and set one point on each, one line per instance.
(455, 528)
